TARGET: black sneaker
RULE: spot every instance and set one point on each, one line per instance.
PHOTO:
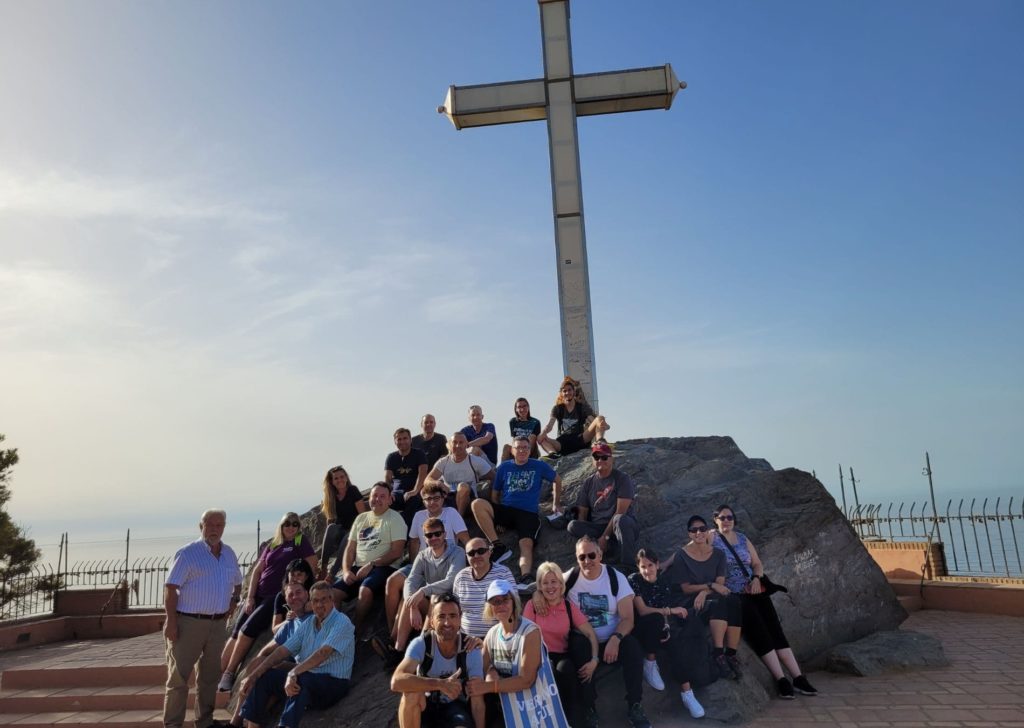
(803, 687)
(499, 552)
(636, 716)
(590, 717)
(723, 667)
(784, 688)
(734, 666)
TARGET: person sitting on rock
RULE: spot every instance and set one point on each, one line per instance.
(432, 573)
(456, 534)
(606, 599)
(660, 622)
(515, 498)
(404, 471)
(470, 586)
(375, 547)
(460, 473)
(699, 570)
(606, 507)
(522, 424)
(578, 424)
(481, 437)
(437, 672)
(762, 629)
(324, 650)
(433, 444)
(342, 502)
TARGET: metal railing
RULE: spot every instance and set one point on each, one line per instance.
(978, 539)
(144, 579)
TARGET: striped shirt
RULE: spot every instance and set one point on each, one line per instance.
(336, 631)
(472, 594)
(205, 583)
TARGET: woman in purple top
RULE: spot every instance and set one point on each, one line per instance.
(761, 627)
(257, 611)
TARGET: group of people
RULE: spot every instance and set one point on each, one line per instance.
(468, 643)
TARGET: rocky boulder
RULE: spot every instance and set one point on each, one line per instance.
(883, 652)
(837, 594)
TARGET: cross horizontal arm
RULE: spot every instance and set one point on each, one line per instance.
(611, 92)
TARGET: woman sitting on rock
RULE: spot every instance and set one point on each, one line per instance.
(341, 504)
(699, 569)
(761, 627)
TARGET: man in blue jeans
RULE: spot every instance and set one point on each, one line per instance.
(324, 650)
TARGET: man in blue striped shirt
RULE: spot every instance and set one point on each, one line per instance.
(324, 648)
(200, 591)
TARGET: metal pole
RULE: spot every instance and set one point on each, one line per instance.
(853, 480)
(127, 550)
(842, 489)
(931, 490)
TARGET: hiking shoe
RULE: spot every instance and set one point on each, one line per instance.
(227, 681)
(784, 688)
(803, 687)
(734, 666)
(499, 552)
(590, 717)
(526, 580)
(652, 675)
(690, 701)
(636, 716)
(724, 671)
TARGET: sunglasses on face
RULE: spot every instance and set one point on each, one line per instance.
(434, 534)
(698, 529)
(586, 557)
(478, 552)
(601, 458)
(730, 517)
(293, 524)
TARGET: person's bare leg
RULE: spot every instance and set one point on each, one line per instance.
(484, 515)
(363, 605)
(526, 556)
(242, 645)
(550, 444)
(410, 709)
(462, 498)
(506, 453)
(771, 661)
(789, 660)
(732, 637)
(404, 628)
(225, 654)
(393, 598)
(718, 628)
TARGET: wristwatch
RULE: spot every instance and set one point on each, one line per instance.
(619, 635)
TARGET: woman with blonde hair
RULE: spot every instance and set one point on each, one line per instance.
(342, 502)
(257, 611)
(571, 641)
(578, 424)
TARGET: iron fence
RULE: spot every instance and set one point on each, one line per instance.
(33, 594)
(978, 540)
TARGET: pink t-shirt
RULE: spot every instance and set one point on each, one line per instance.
(554, 628)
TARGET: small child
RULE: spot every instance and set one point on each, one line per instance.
(653, 604)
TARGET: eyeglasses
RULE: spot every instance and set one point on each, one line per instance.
(698, 529)
(601, 458)
(433, 497)
(293, 524)
(434, 534)
(495, 601)
(586, 557)
(729, 517)
(478, 552)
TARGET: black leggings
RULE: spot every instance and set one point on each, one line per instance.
(570, 688)
(650, 631)
(729, 609)
(761, 627)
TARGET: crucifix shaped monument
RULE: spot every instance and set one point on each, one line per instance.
(560, 97)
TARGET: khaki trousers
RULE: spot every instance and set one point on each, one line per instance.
(199, 644)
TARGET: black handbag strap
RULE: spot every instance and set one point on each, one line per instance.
(736, 556)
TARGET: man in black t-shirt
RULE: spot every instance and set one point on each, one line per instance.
(433, 444)
(404, 471)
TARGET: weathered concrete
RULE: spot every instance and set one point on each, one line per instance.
(889, 651)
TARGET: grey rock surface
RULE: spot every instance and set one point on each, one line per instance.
(890, 651)
(837, 593)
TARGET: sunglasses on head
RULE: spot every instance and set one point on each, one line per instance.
(293, 524)
(586, 557)
(728, 517)
(478, 552)
(444, 598)
(698, 529)
(434, 534)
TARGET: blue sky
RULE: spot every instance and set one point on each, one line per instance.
(239, 246)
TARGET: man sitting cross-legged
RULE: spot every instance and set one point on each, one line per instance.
(516, 500)
(435, 671)
(606, 507)
(323, 648)
(460, 472)
(374, 549)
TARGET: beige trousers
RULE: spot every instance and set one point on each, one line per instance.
(199, 644)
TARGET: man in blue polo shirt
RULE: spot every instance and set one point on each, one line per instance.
(324, 650)
(515, 498)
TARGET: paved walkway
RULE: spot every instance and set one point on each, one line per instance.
(984, 686)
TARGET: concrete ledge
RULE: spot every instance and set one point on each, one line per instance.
(31, 633)
(908, 559)
(966, 594)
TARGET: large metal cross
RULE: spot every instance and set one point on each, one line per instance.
(560, 97)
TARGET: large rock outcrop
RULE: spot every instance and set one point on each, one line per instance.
(836, 592)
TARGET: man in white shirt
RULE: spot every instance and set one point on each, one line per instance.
(460, 472)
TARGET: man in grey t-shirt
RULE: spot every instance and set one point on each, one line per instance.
(605, 507)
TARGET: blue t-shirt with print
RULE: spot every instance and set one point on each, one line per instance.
(520, 485)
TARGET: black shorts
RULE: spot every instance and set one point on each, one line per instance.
(526, 524)
(374, 581)
(571, 443)
(455, 714)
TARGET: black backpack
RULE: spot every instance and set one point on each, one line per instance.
(574, 575)
(428, 659)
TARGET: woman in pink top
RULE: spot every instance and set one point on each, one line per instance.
(571, 641)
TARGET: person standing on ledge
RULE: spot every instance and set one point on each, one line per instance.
(201, 589)
(578, 424)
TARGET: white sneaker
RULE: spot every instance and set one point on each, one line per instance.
(690, 701)
(227, 681)
(652, 676)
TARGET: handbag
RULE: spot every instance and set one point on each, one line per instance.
(768, 587)
(577, 637)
